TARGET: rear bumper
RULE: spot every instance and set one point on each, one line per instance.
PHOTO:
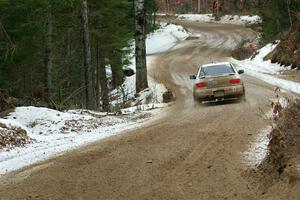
(236, 91)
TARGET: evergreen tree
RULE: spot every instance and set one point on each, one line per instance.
(42, 55)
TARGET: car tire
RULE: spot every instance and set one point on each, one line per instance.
(195, 98)
(196, 101)
(243, 98)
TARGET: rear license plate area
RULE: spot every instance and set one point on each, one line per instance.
(219, 93)
(211, 82)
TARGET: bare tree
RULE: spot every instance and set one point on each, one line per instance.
(89, 89)
(140, 46)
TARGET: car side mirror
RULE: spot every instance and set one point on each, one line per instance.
(193, 77)
(241, 71)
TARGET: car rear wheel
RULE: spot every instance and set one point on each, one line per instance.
(197, 100)
(243, 98)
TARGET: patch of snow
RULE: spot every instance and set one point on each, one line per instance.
(12, 123)
(259, 65)
(226, 19)
(278, 82)
(166, 37)
(142, 107)
(267, 71)
(196, 17)
(258, 149)
(283, 102)
(161, 14)
(251, 19)
(55, 132)
(44, 121)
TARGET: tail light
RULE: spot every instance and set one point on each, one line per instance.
(235, 81)
(200, 84)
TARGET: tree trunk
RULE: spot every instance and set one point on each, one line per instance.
(89, 89)
(288, 2)
(199, 6)
(97, 75)
(167, 6)
(140, 46)
(68, 59)
(238, 4)
(48, 52)
(117, 71)
(103, 84)
(242, 4)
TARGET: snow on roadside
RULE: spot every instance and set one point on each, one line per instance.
(12, 123)
(259, 65)
(226, 19)
(54, 132)
(267, 71)
(165, 38)
(258, 149)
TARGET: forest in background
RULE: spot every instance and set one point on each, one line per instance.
(42, 49)
(42, 40)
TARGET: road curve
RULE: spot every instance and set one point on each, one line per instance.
(192, 152)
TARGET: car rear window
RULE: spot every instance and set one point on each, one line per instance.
(216, 70)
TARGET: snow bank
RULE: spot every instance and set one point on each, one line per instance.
(196, 17)
(227, 19)
(267, 71)
(12, 123)
(53, 132)
(163, 39)
(259, 65)
(258, 149)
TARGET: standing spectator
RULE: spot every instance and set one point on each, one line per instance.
(214, 6)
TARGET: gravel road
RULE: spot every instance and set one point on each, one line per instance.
(191, 151)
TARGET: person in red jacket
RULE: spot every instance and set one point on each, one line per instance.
(216, 6)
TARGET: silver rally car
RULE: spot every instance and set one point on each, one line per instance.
(218, 81)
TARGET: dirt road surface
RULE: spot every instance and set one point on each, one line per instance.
(192, 151)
